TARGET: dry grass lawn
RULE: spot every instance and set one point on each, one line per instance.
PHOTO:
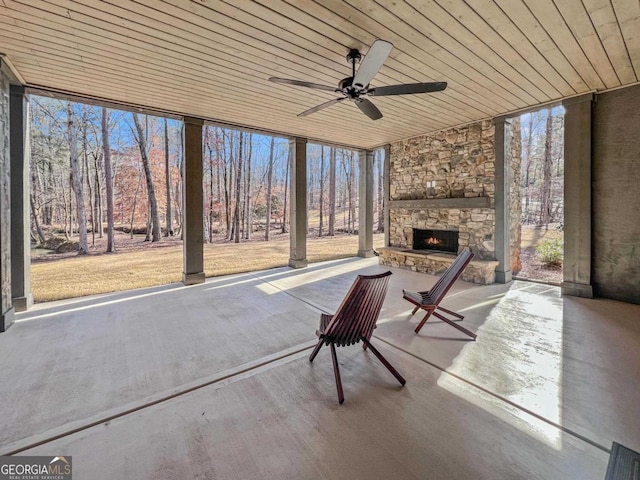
(80, 276)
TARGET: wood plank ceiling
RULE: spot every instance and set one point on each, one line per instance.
(212, 58)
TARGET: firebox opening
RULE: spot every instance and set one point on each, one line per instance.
(435, 240)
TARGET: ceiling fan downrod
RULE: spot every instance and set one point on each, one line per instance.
(346, 84)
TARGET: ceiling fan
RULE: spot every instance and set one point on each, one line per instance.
(356, 86)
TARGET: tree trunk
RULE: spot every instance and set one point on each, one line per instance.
(267, 230)
(545, 200)
(353, 194)
(34, 215)
(86, 174)
(149, 225)
(236, 218)
(248, 213)
(135, 200)
(320, 226)
(97, 213)
(153, 206)
(211, 216)
(380, 199)
(225, 181)
(167, 176)
(76, 182)
(47, 216)
(219, 158)
(108, 174)
(332, 191)
(286, 188)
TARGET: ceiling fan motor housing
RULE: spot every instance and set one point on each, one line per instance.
(347, 87)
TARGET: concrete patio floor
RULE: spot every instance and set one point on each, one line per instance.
(213, 381)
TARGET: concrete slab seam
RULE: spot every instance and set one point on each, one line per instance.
(176, 392)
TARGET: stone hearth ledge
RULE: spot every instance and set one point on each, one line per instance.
(482, 272)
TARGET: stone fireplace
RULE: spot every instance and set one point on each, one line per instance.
(443, 182)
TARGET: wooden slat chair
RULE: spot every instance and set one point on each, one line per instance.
(429, 300)
(354, 321)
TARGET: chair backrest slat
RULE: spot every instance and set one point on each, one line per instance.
(448, 278)
(357, 314)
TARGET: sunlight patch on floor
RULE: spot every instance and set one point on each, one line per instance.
(287, 282)
(517, 357)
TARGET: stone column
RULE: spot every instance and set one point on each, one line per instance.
(365, 204)
(298, 202)
(7, 311)
(577, 197)
(502, 205)
(192, 196)
(387, 195)
(22, 296)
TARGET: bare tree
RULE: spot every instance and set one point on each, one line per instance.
(226, 180)
(180, 181)
(248, 208)
(167, 175)
(545, 199)
(320, 226)
(76, 180)
(210, 148)
(332, 191)
(286, 187)
(144, 153)
(98, 212)
(267, 230)
(106, 147)
(86, 174)
(380, 199)
(236, 215)
(218, 171)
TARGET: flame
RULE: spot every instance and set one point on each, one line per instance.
(432, 241)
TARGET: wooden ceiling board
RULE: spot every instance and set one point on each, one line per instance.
(529, 63)
(212, 58)
(603, 18)
(628, 17)
(581, 27)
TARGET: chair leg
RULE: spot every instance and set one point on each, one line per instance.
(385, 362)
(455, 325)
(413, 312)
(424, 320)
(316, 350)
(461, 317)
(336, 372)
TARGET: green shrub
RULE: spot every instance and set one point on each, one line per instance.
(550, 252)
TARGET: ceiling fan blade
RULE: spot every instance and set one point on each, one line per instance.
(300, 83)
(368, 108)
(373, 61)
(321, 106)
(408, 88)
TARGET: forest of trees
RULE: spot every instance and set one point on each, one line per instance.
(99, 173)
(542, 169)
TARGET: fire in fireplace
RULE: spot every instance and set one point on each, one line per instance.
(435, 240)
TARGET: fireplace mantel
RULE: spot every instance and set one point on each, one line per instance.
(469, 202)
